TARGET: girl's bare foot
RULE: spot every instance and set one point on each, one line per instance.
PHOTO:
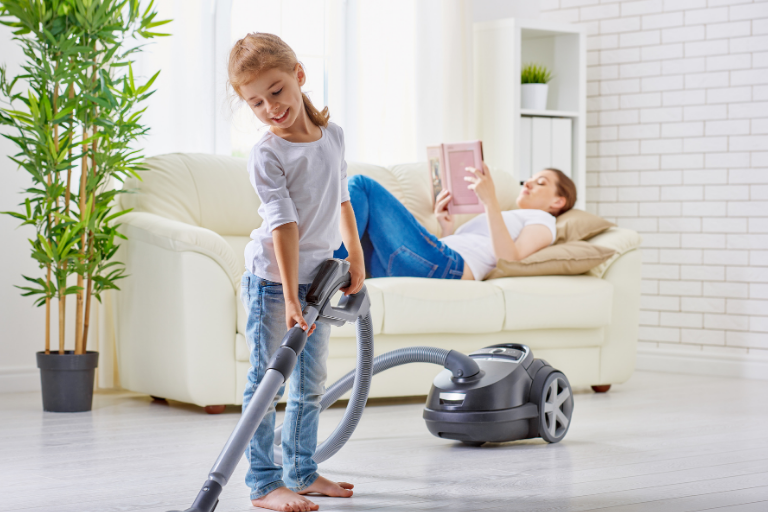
(328, 488)
(285, 500)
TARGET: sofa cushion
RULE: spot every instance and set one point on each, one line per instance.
(381, 174)
(575, 225)
(418, 306)
(566, 259)
(555, 302)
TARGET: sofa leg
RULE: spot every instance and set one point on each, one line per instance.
(214, 409)
(602, 388)
(158, 399)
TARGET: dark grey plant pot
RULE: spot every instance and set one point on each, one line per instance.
(67, 380)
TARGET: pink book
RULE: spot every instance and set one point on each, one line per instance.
(447, 164)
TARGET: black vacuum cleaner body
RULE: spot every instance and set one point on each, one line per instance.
(514, 396)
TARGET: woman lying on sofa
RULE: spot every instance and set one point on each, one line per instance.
(396, 244)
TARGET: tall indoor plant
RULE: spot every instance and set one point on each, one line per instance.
(75, 107)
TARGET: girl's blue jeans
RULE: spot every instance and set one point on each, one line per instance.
(394, 243)
(265, 328)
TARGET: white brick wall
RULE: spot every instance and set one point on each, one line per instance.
(678, 150)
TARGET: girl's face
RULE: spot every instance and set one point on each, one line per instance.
(275, 97)
(540, 193)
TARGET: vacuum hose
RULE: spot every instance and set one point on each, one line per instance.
(360, 378)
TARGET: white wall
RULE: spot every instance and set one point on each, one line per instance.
(21, 324)
(678, 150)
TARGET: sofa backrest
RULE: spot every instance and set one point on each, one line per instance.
(214, 192)
(210, 191)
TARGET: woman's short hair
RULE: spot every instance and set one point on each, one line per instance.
(565, 188)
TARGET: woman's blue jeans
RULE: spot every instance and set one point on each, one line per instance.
(265, 328)
(394, 243)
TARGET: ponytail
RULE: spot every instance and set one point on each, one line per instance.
(317, 117)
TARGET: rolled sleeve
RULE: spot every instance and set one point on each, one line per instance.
(279, 212)
(268, 178)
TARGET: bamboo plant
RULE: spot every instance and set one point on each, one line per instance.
(76, 106)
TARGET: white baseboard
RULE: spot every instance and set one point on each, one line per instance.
(19, 380)
(702, 363)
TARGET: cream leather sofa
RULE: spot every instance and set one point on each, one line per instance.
(180, 324)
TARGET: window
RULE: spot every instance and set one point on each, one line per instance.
(301, 24)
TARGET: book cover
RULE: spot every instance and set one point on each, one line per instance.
(447, 164)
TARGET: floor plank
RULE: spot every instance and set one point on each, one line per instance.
(659, 442)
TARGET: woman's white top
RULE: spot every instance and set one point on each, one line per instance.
(301, 182)
(473, 239)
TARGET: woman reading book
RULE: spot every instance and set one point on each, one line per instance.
(396, 245)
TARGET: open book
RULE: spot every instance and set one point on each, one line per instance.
(447, 169)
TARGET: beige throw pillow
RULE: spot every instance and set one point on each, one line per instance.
(568, 258)
(576, 225)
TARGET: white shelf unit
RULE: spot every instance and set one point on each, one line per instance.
(501, 49)
(548, 113)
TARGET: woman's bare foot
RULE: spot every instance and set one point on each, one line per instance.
(285, 500)
(328, 488)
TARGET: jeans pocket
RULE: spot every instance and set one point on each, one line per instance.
(270, 287)
(406, 263)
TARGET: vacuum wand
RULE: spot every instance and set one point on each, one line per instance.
(333, 274)
(280, 367)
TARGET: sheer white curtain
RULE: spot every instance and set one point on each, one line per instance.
(184, 113)
(408, 77)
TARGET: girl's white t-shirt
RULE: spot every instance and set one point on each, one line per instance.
(473, 239)
(301, 182)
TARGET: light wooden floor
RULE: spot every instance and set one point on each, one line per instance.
(659, 442)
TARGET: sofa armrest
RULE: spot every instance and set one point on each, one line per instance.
(620, 240)
(179, 236)
(623, 271)
(175, 313)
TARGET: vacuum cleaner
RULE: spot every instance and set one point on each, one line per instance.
(496, 394)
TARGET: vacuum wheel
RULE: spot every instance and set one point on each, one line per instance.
(556, 408)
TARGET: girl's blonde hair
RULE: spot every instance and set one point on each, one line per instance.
(258, 52)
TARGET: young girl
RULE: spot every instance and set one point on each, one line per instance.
(299, 173)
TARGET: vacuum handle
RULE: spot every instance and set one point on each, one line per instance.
(333, 275)
(349, 309)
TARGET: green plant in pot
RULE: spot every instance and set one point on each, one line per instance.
(534, 87)
(74, 115)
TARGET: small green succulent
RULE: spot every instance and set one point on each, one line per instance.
(533, 74)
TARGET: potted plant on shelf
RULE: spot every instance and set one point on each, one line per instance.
(74, 116)
(533, 91)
